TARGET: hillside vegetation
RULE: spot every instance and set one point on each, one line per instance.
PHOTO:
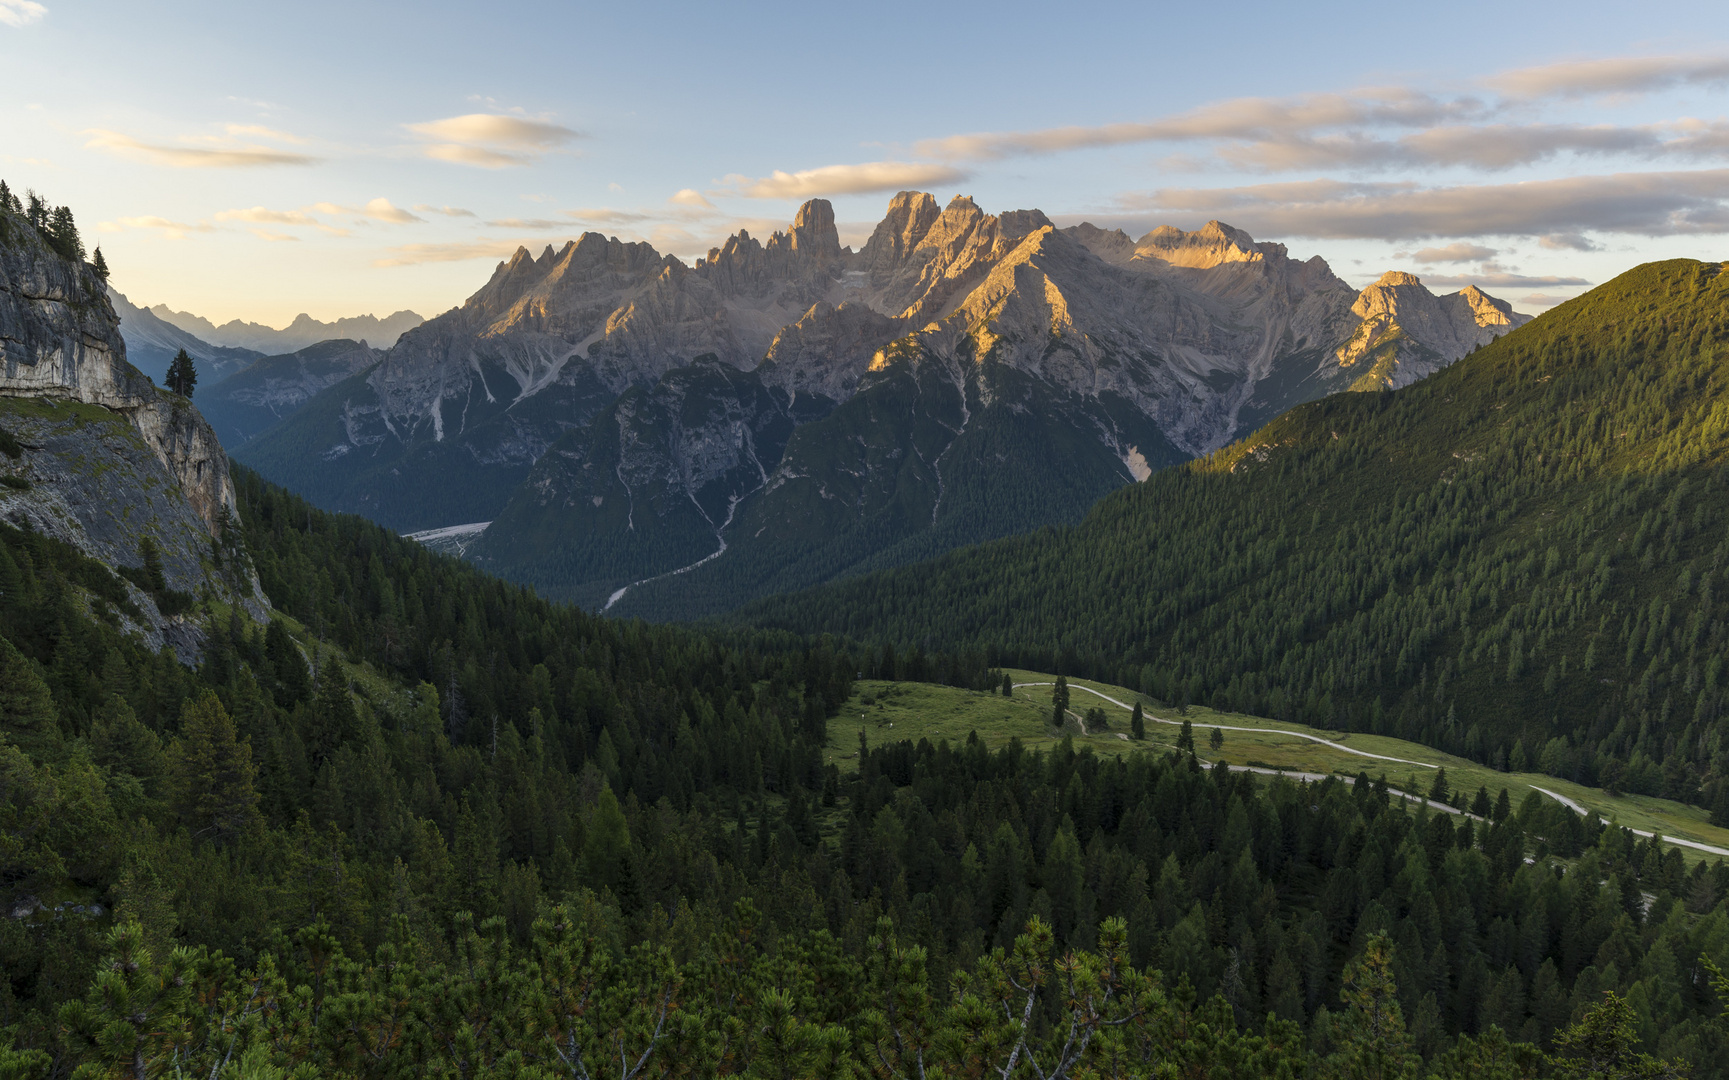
(1521, 559)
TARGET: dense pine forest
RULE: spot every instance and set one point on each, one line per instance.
(435, 826)
(1521, 559)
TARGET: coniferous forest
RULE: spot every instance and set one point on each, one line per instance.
(459, 831)
(420, 822)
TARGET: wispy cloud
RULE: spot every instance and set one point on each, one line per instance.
(417, 254)
(264, 216)
(275, 237)
(185, 157)
(1487, 147)
(170, 230)
(1543, 300)
(1612, 75)
(19, 13)
(1492, 277)
(489, 140)
(606, 215)
(447, 211)
(687, 197)
(846, 180)
(262, 132)
(380, 209)
(1237, 118)
(1644, 204)
(527, 223)
(1453, 253)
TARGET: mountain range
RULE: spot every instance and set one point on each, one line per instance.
(785, 412)
(297, 335)
(151, 344)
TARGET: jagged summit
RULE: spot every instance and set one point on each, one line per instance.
(1210, 245)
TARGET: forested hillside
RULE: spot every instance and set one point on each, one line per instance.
(576, 832)
(1520, 559)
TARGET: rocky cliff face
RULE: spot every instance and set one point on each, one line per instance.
(61, 339)
(107, 460)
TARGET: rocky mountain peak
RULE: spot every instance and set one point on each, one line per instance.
(1394, 278)
(1211, 245)
(813, 231)
(910, 216)
(1014, 225)
(1489, 311)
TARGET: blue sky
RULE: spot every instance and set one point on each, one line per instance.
(258, 160)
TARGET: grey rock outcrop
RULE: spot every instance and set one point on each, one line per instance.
(61, 339)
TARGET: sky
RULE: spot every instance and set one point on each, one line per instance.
(259, 160)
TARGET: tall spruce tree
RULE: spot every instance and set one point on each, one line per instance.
(182, 374)
(212, 775)
(27, 714)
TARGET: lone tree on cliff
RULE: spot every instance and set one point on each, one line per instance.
(182, 376)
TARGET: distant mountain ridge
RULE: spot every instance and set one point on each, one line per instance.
(151, 344)
(963, 376)
(380, 333)
(274, 387)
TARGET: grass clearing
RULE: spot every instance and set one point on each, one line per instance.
(890, 712)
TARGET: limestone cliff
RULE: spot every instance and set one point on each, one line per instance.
(105, 459)
(61, 339)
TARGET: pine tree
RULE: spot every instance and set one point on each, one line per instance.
(1138, 723)
(1503, 807)
(28, 718)
(8, 201)
(1373, 1042)
(1186, 737)
(212, 777)
(1604, 1043)
(182, 374)
(63, 234)
(334, 721)
(1008, 685)
(151, 556)
(137, 1017)
(100, 264)
(1059, 701)
(1216, 739)
(283, 658)
(1438, 792)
